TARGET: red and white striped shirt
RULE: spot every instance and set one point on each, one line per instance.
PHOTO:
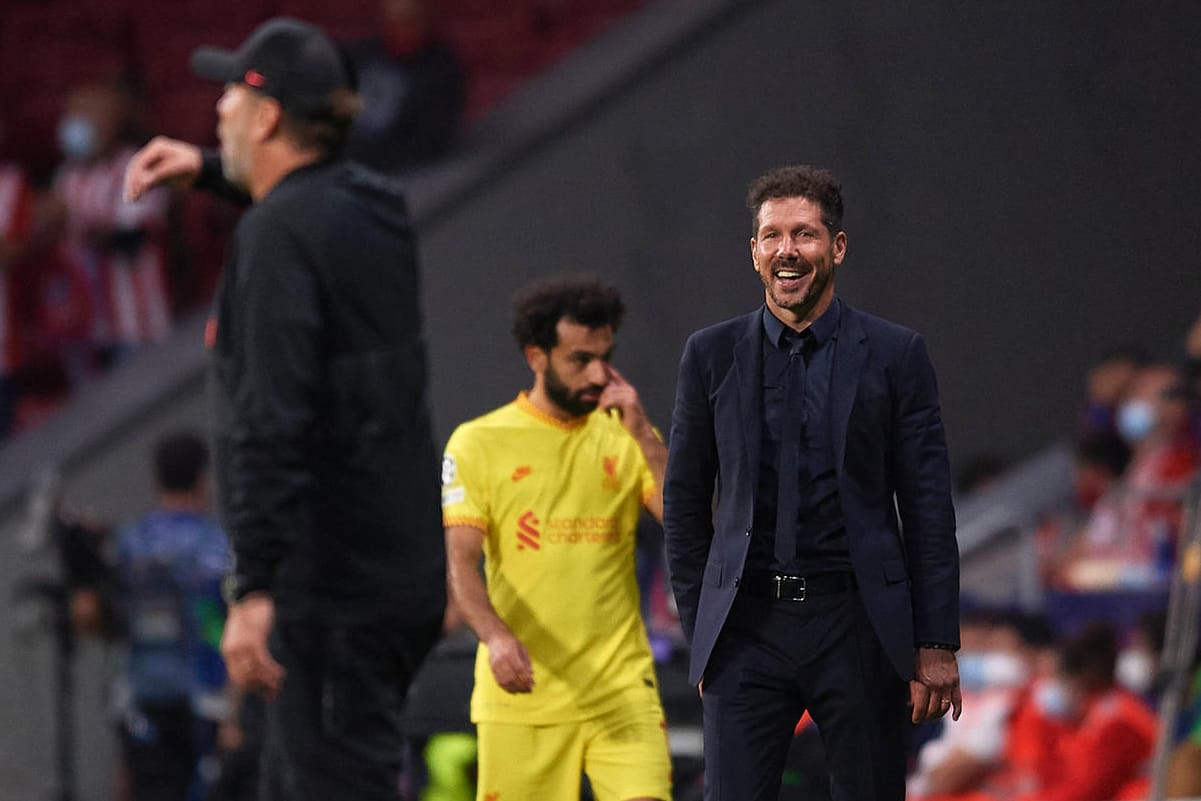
(128, 290)
(16, 222)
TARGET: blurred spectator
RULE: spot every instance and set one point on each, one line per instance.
(974, 757)
(114, 243)
(411, 87)
(171, 564)
(1094, 737)
(1108, 381)
(1130, 539)
(1100, 461)
(1137, 667)
(1192, 365)
(16, 225)
(57, 300)
(992, 671)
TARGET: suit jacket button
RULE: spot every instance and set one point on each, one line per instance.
(748, 532)
(737, 579)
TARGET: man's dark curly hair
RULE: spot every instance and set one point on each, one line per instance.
(1091, 655)
(538, 308)
(798, 180)
(179, 460)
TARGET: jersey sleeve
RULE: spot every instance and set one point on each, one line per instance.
(464, 490)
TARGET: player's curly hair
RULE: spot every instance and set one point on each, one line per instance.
(538, 308)
(798, 180)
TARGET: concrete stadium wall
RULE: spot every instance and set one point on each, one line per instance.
(1020, 182)
(110, 482)
(1019, 179)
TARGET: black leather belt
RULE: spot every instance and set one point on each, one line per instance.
(783, 587)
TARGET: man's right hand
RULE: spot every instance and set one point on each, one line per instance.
(163, 161)
(244, 645)
(510, 664)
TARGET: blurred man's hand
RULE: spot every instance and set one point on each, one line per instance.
(163, 161)
(244, 645)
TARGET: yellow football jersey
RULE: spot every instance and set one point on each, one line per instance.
(559, 503)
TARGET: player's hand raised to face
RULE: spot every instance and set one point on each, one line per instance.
(620, 394)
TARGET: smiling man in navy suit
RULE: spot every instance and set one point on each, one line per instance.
(808, 517)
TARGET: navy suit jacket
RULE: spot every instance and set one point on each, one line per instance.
(893, 479)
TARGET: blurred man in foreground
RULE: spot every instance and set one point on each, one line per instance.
(326, 464)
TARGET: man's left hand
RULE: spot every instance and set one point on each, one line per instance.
(934, 690)
(244, 645)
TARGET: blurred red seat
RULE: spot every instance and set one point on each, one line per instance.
(494, 45)
(342, 19)
(185, 113)
(164, 54)
(42, 66)
(486, 91)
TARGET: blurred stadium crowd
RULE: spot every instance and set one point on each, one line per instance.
(87, 278)
(1061, 704)
(1055, 708)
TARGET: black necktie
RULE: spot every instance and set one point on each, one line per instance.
(791, 435)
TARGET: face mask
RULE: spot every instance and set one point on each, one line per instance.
(1135, 671)
(1053, 699)
(982, 670)
(1004, 670)
(971, 670)
(1135, 420)
(77, 137)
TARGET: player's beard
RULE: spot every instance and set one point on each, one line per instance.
(561, 395)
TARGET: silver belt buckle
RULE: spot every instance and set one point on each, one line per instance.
(779, 577)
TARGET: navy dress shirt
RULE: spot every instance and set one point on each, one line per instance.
(796, 382)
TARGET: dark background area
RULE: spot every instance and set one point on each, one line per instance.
(1019, 178)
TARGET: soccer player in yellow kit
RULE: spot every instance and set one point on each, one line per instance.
(548, 490)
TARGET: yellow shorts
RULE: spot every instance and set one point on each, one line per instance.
(624, 753)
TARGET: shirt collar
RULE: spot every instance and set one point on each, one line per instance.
(824, 328)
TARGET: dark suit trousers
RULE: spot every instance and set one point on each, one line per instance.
(775, 659)
(334, 733)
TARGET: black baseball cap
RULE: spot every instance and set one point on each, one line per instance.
(284, 58)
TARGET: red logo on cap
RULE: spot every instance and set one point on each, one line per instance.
(255, 79)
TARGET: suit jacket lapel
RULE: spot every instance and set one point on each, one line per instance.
(849, 357)
(748, 373)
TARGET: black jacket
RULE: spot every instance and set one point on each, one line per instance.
(890, 455)
(325, 458)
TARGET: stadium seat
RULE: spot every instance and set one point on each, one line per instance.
(488, 45)
(344, 19)
(186, 112)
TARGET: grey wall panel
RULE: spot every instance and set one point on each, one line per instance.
(113, 483)
(1017, 179)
